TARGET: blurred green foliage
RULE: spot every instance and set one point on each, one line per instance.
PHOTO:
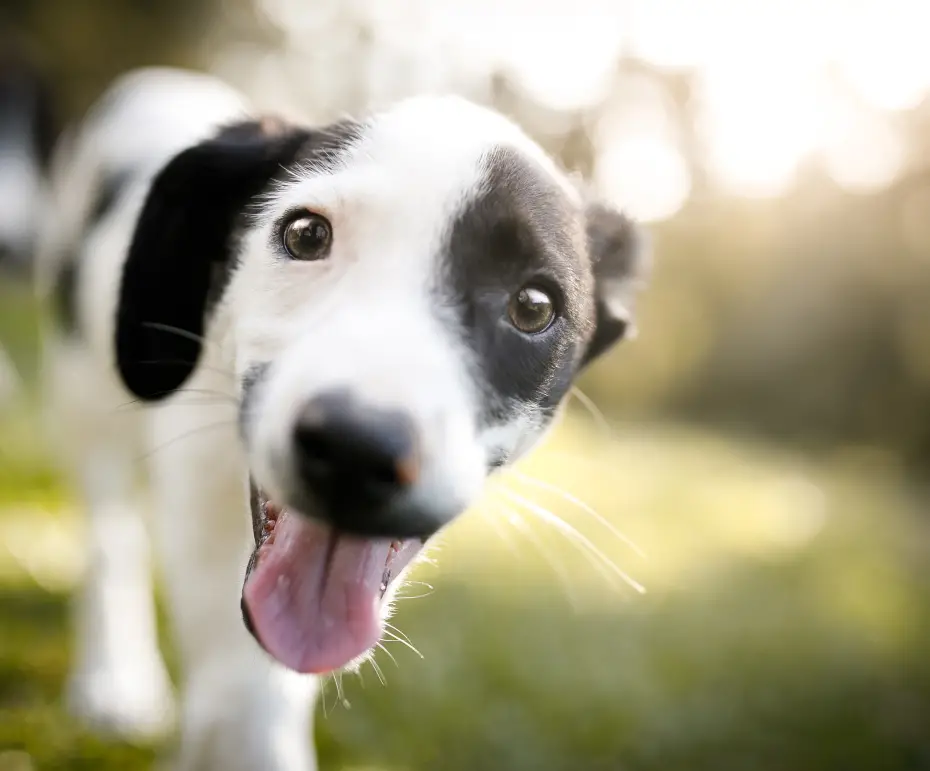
(803, 319)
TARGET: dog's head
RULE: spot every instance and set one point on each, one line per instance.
(409, 298)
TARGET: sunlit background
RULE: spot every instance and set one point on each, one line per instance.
(754, 459)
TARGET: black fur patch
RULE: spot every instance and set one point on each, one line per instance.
(64, 296)
(108, 193)
(618, 258)
(184, 243)
(521, 230)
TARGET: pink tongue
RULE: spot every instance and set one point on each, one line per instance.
(314, 596)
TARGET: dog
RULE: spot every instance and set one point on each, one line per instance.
(307, 348)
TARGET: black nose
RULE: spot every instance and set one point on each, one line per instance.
(354, 459)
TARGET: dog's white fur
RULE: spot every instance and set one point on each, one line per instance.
(238, 709)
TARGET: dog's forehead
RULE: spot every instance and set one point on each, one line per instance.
(447, 130)
(443, 143)
(407, 175)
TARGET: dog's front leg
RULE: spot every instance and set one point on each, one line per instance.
(239, 709)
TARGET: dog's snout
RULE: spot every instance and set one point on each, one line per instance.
(363, 469)
(343, 448)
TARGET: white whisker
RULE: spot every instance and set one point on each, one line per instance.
(378, 672)
(192, 364)
(178, 331)
(395, 638)
(219, 396)
(597, 558)
(185, 435)
(567, 496)
(340, 693)
(591, 407)
(399, 597)
(323, 696)
(396, 631)
(391, 655)
(517, 522)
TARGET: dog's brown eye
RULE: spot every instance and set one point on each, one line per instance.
(531, 310)
(308, 237)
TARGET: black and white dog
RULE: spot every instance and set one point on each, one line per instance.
(322, 341)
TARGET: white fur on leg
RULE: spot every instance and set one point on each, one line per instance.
(119, 684)
(240, 711)
(243, 712)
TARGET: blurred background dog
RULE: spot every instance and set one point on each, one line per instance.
(763, 444)
(27, 133)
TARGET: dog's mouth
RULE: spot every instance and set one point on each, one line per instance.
(313, 597)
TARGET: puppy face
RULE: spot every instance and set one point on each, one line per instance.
(409, 298)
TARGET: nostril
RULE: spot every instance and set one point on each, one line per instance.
(333, 452)
(382, 471)
(339, 442)
(315, 448)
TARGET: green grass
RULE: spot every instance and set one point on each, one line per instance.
(786, 623)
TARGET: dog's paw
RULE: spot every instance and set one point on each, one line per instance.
(121, 704)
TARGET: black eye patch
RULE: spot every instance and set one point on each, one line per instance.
(517, 233)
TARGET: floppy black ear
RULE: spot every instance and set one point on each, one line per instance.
(182, 242)
(620, 260)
